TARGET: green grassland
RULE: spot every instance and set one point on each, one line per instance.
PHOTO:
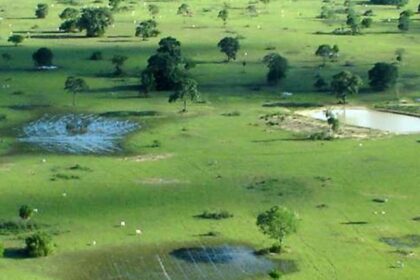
(209, 161)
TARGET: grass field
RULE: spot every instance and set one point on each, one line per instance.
(206, 160)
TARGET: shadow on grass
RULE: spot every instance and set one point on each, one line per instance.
(15, 253)
(355, 223)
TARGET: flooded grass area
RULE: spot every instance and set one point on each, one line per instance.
(199, 261)
(77, 134)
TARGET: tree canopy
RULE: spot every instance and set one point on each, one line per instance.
(95, 21)
(16, 39)
(345, 83)
(147, 29)
(383, 76)
(43, 57)
(187, 89)
(277, 67)
(229, 46)
(41, 11)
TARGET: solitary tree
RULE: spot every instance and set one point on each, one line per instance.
(345, 83)
(277, 67)
(95, 21)
(327, 52)
(38, 245)
(399, 54)
(25, 212)
(366, 22)
(147, 29)
(229, 46)
(184, 10)
(43, 57)
(41, 10)
(75, 85)
(383, 76)
(320, 84)
(404, 22)
(153, 10)
(118, 61)
(186, 90)
(223, 15)
(277, 223)
(16, 39)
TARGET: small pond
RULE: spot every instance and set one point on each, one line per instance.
(77, 134)
(198, 262)
(364, 117)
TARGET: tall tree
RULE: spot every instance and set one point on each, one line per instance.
(43, 57)
(345, 83)
(187, 90)
(277, 223)
(75, 85)
(277, 67)
(16, 39)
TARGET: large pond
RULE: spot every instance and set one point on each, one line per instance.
(228, 262)
(77, 134)
(364, 117)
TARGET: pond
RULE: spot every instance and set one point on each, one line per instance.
(198, 262)
(77, 134)
(367, 118)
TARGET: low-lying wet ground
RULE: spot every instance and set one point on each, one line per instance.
(77, 134)
(206, 262)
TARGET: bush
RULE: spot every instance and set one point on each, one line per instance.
(323, 135)
(41, 10)
(97, 55)
(25, 212)
(38, 245)
(17, 227)
(274, 274)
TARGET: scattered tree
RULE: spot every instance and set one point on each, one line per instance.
(321, 84)
(148, 82)
(25, 212)
(277, 223)
(399, 54)
(75, 85)
(398, 3)
(383, 76)
(95, 21)
(153, 10)
(16, 39)
(38, 245)
(184, 10)
(118, 61)
(345, 83)
(229, 46)
(404, 21)
(115, 4)
(277, 67)
(43, 57)
(186, 90)
(41, 10)
(366, 22)
(223, 15)
(327, 52)
(147, 29)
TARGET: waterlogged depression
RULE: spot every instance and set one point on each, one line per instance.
(77, 134)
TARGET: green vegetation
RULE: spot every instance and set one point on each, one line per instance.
(38, 245)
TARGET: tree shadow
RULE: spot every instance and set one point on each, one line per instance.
(15, 253)
(115, 89)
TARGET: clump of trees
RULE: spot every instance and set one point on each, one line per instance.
(95, 21)
(345, 83)
(16, 39)
(383, 76)
(43, 57)
(277, 67)
(38, 245)
(41, 11)
(147, 29)
(277, 223)
(229, 46)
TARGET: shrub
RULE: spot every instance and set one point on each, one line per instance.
(223, 214)
(41, 10)
(97, 55)
(38, 245)
(274, 274)
(25, 212)
(322, 135)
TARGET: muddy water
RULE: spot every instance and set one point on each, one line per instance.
(364, 117)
